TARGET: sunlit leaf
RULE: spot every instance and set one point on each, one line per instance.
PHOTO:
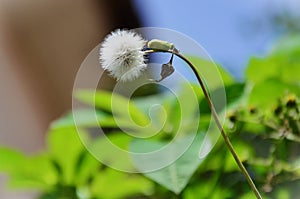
(35, 173)
(65, 146)
(10, 160)
(84, 118)
(113, 103)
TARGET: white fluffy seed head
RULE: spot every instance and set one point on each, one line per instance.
(122, 56)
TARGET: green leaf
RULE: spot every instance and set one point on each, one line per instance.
(282, 64)
(157, 107)
(182, 111)
(176, 113)
(114, 184)
(11, 160)
(287, 44)
(86, 168)
(234, 93)
(283, 193)
(112, 150)
(27, 172)
(260, 69)
(176, 175)
(36, 172)
(206, 189)
(146, 102)
(65, 146)
(84, 118)
(114, 103)
(214, 75)
(266, 94)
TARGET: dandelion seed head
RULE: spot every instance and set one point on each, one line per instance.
(122, 56)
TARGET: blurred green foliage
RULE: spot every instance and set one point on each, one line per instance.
(263, 122)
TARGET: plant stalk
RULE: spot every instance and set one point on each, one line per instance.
(215, 115)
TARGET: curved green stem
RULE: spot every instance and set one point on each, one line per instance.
(215, 115)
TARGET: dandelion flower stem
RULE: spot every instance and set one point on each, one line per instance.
(215, 115)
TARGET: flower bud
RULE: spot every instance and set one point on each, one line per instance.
(157, 44)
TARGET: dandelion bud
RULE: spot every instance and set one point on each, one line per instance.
(160, 45)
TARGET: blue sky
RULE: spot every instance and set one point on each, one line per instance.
(230, 30)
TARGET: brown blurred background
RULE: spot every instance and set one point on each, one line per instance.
(42, 44)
